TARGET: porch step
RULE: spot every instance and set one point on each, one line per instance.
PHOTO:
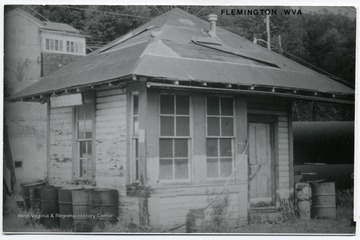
(265, 215)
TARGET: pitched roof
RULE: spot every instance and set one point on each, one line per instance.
(45, 25)
(63, 27)
(177, 46)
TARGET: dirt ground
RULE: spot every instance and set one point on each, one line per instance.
(318, 226)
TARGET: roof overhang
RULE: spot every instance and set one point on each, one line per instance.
(250, 90)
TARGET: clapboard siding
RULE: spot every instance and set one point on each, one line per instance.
(111, 139)
(60, 149)
(283, 157)
(173, 204)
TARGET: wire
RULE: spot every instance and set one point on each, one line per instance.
(231, 176)
(112, 13)
(227, 182)
(38, 13)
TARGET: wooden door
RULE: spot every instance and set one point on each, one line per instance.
(261, 167)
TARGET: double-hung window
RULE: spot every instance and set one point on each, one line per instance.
(220, 137)
(85, 120)
(174, 137)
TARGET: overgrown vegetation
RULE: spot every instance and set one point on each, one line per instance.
(345, 198)
(219, 215)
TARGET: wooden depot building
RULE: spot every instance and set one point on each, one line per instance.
(174, 111)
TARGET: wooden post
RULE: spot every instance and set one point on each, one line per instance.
(291, 153)
(152, 136)
(48, 140)
(241, 124)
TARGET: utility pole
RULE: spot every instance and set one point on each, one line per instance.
(268, 32)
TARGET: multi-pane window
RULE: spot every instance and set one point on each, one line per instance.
(85, 115)
(220, 134)
(174, 137)
(63, 46)
(54, 45)
(135, 136)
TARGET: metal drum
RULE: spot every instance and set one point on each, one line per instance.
(104, 205)
(303, 198)
(80, 208)
(65, 207)
(49, 206)
(26, 188)
(324, 200)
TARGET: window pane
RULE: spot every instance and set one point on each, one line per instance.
(89, 149)
(135, 126)
(227, 106)
(72, 46)
(81, 129)
(166, 148)
(181, 168)
(212, 168)
(81, 122)
(135, 104)
(67, 46)
(56, 45)
(82, 150)
(166, 169)
(213, 126)
(211, 147)
(227, 126)
(81, 167)
(225, 167)
(181, 148)
(136, 148)
(182, 105)
(167, 126)
(182, 126)
(47, 44)
(167, 104)
(61, 45)
(213, 106)
(225, 147)
(89, 168)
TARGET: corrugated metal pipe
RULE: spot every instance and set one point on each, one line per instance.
(212, 19)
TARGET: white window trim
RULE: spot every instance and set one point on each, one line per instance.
(233, 137)
(189, 138)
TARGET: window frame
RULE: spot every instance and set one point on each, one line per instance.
(134, 145)
(220, 136)
(88, 97)
(175, 137)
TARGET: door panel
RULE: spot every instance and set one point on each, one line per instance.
(260, 163)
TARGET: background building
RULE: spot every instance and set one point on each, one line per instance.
(33, 49)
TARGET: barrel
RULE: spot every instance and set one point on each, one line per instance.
(195, 221)
(35, 196)
(80, 207)
(324, 200)
(25, 191)
(65, 207)
(104, 205)
(49, 206)
(303, 198)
